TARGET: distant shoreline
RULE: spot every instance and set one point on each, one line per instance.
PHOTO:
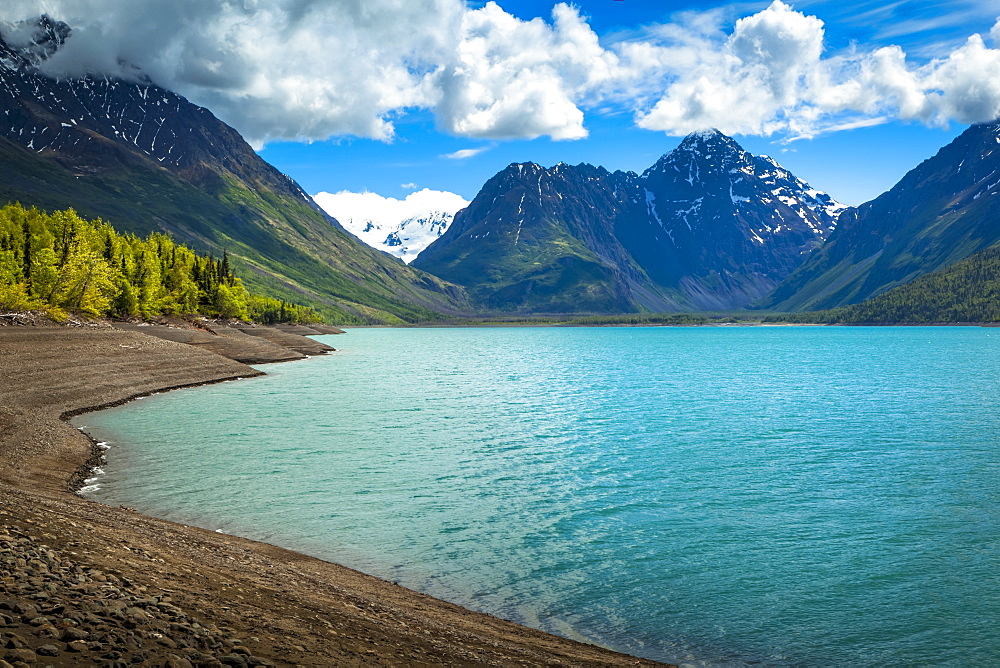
(502, 324)
(195, 593)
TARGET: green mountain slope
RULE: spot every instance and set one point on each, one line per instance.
(539, 241)
(147, 160)
(708, 227)
(966, 291)
(941, 212)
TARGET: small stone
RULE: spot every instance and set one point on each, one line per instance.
(47, 650)
(47, 631)
(258, 662)
(70, 634)
(136, 614)
(77, 646)
(25, 655)
(14, 641)
(26, 609)
(140, 656)
(177, 662)
(234, 660)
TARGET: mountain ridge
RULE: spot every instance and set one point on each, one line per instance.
(400, 227)
(940, 212)
(689, 233)
(148, 160)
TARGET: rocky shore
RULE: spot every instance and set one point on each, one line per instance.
(86, 584)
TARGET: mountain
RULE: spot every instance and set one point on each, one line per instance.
(944, 210)
(146, 159)
(735, 224)
(709, 226)
(543, 240)
(966, 291)
(399, 227)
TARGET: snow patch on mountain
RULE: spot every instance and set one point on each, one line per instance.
(400, 227)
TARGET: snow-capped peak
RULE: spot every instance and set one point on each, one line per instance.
(709, 177)
(400, 227)
(704, 135)
(700, 154)
(708, 139)
(30, 42)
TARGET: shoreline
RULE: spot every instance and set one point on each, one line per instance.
(87, 583)
(86, 470)
(518, 325)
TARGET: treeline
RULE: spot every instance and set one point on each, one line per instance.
(61, 263)
(967, 291)
(636, 319)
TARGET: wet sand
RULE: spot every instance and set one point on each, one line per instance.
(86, 584)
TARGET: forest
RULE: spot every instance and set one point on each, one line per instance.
(967, 291)
(60, 263)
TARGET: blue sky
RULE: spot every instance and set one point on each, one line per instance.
(854, 165)
(390, 96)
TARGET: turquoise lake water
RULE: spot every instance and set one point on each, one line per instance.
(712, 496)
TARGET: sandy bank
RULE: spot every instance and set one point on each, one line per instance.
(86, 584)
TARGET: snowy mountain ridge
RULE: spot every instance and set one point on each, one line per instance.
(89, 111)
(402, 228)
(27, 43)
(708, 226)
(710, 163)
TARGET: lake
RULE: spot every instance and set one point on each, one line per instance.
(709, 496)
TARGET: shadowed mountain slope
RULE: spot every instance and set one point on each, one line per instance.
(942, 211)
(709, 226)
(146, 159)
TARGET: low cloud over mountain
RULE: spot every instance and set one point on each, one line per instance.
(312, 69)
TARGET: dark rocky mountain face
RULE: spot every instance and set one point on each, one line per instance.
(709, 226)
(944, 210)
(96, 123)
(537, 239)
(146, 159)
(722, 225)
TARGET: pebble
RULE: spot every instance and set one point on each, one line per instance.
(50, 606)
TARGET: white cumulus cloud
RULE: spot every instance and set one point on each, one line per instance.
(522, 79)
(311, 69)
(274, 69)
(770, 75)
(314, 69)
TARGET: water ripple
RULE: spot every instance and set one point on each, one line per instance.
(706, 496)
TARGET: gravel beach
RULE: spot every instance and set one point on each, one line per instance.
(86, 584)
